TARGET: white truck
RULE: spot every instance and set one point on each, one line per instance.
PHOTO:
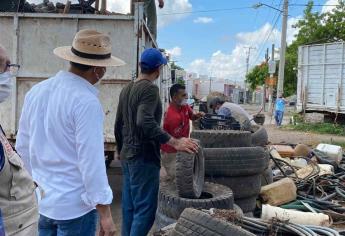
(321, 78)
(31, 37)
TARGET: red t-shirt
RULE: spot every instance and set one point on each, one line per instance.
(176, 123)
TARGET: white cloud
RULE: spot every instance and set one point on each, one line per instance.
(232, 65)
(329, 6)
(174, 52)
(167, 14)
(119, 6)
(203, 20)
(259, 36)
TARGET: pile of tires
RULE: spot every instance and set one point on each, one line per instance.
(233, 161)
(190, 191)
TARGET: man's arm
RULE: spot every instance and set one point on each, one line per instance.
(88, 119)
(118, 126)
(145, 116)
(195, 116)
(23, 138)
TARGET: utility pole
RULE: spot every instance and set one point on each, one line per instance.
(280, 86)
(264, 87)
(270, 90)
(210, 88)
(247, 71)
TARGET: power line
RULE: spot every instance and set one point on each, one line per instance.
(205, 11)
(268, 35)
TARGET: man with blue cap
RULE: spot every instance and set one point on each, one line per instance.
(139, 136)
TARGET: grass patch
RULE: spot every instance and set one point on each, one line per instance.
(323, 128)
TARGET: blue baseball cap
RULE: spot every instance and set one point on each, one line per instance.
(152, 58)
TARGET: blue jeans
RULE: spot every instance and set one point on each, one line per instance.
(279, 117)
(139, 196)
(85, 225)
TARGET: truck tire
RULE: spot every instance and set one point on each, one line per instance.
(162, 221)
(222, 138)
(267, 177)
(193, 222)
(231, 162)
(190, 172)
(242, 186)
(247, 204)
(213, 196)
(259, 136)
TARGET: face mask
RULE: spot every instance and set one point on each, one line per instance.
(98, 79)
(5, 85)
(184, 102)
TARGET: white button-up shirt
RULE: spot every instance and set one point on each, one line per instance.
(60, 140)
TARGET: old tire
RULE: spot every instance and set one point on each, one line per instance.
(213, 196)
(162, 221)
(222, 138)
(259, 136)
(267, 177)
(230, 162)
(247, 204)
(193, 222)
(242, 186)
(190, 172)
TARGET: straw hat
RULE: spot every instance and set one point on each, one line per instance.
(89, 48)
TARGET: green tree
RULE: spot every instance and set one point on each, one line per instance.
(314, 27)
(257, 76)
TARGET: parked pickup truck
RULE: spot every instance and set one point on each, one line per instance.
(31, 38)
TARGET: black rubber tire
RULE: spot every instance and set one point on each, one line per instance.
(238, 210)
(230, 162)
(171, 205)
(162, 221)
(222, 138)
(267, 177)
(259, 136)
(193, 222)
(247, 204)
(190, 173)
(242, 186)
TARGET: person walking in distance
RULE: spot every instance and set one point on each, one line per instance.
(176, 123)
(60, 138)
(138, 137)
(279, 110)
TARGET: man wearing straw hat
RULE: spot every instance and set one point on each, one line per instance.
(60, 139)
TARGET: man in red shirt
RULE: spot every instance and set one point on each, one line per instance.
(176, 123)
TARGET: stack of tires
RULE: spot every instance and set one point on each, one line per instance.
(189, 190)
(233, 161)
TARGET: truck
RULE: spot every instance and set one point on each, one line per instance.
(30, 38)
(321, 78)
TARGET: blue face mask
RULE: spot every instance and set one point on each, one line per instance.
(5, 85)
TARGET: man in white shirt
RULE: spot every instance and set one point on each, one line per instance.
(60, 139)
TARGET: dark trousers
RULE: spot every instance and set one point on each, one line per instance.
(139, 196)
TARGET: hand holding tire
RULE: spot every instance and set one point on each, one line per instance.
(184, 145)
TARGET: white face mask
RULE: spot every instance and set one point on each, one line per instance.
(184, 102)
(5, 85)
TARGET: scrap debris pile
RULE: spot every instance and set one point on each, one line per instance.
(302, 193)
(82, 7)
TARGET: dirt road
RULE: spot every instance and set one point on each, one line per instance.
(276, 135)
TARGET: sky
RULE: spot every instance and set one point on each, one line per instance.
(211, 37)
